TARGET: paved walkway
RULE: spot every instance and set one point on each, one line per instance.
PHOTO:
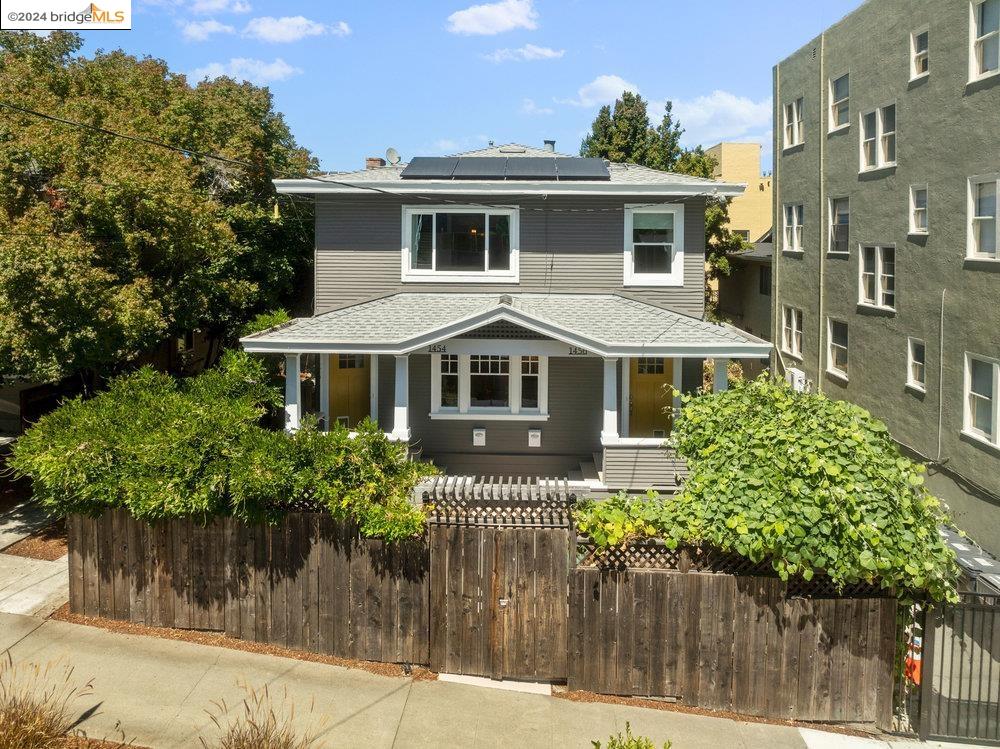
(32, 586)
(20, 522)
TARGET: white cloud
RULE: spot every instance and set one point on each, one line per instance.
(604, 89)
(525, 54)
(219, 6)
(199, 31)
(247, 69)
(528, 106)
(291, 29)
(494, 18)
(719, 116)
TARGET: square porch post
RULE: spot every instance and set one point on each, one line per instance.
(721, 379)
(293, 393)
(401, 422)
(324, 389)
(610, 429)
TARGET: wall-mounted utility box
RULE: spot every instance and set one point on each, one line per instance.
(534, 438)
(479, 437)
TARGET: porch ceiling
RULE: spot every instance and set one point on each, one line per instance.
(603, 324)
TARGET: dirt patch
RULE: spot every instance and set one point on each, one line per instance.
(48, 544)
(217, 639)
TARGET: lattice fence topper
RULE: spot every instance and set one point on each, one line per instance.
(499, 501)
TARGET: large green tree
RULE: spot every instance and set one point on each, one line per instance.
(109, 245)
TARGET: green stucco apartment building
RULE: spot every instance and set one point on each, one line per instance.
(886, 269)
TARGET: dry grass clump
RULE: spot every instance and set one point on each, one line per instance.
(258, 723)
(35, 710)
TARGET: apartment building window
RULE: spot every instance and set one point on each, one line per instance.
(916, 364)
(836, 352)
(918, 209)
(877, 286)
(792, 234)
(919, 59)
(878, 138)
(984, 229)
(984, 58)
(981, 375)
(791, 331)
(654, 245)
(764, 280)
(794, 132)
(840, 225)
(840, 97)
(460, 244)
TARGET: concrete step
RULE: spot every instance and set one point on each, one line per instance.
(588, 470)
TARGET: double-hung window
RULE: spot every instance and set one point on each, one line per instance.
(792, 234)
(791, 331)
(877, 283)
(836, 351)
(984, 56)
(840, 99)
(654, 245)
(981, 379)
(916, 364)
(919, 58)
(794, 132)
(764, 280)
(984, 229)
(918, 209)
(489, 386)
(840, 225)
(878, 138)
(460, 244)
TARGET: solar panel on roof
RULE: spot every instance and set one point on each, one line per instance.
(480, 167)
(430, 167)
(570, 168)
(531, 167)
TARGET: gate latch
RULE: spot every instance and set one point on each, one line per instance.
(504, 602)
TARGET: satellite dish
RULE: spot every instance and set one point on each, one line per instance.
(392, 155)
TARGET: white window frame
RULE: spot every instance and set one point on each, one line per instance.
(968, 429)
(880, 276)
(972, 249)
(676, 275)
(912, 382)
(832, 222)
(830, 367)
(880, 137)
(793, 130)
(914, 229)
(423, 275)
(791, 331)
(465, 411)
(976, 43)
(791, 234)
(833, 126)
(914, 74)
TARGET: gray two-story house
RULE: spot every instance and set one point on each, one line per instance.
(511, 311)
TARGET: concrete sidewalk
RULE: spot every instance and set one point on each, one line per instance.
(32, 586)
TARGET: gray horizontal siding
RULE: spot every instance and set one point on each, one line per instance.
(640, 468)
(358, 240)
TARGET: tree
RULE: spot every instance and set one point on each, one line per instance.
(107, 245)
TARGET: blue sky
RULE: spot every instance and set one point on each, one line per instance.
(432, 77)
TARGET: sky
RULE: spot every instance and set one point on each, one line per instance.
(431, 77)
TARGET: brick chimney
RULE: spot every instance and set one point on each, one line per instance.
(373, 162)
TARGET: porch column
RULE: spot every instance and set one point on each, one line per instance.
(721, 381)
(610, 430)
(324, 390)
(293, 393)
(373, 387)
(401, 423)
(626, 396)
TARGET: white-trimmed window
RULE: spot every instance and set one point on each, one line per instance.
(791, 331)
(984, 53)
(463, 245)
(794, 131)
(877, 280)
(916, 364)
(981, 379)
(840, 226)
(792, 229)
(878, 138)
(919, 53)
(836, 347)
(489, 385)
(918, 209)
(654, 245)
(984, 229)
(840, 102)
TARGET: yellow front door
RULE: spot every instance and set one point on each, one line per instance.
(650, 398)
(349, 389)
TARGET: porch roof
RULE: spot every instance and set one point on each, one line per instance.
(603, 324)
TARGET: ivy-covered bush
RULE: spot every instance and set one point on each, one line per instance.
(813, 484)
(165, 448)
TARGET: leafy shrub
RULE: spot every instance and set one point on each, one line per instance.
(628, 741)
(814, 484)
(35, 701)
(165, 448)
(263, 321)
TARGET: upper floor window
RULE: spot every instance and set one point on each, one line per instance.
(764, 280)
(792, 230)
(918, 209)
(840, 225)
(984, 229)
(794, 132)
(916, 364)
(877, 286)
(878, 138)
(836, 352)
(460, 244)
(840, 97)
(981, 376)
(654, 245)
(791, 331)
(481, 385)
(984, 56)
(919, 59)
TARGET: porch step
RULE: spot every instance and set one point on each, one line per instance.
(599, 463)
(575, 475)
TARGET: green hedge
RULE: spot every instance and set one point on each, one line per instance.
(813, 484)
(165, 448)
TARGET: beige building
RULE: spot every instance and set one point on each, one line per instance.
(749, 213)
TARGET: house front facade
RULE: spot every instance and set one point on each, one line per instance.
(511, 311)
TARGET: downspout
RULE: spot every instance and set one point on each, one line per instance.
(824, 236)
(940, 379)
